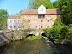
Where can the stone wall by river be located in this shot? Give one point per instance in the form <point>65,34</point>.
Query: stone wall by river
<point>7,36</point>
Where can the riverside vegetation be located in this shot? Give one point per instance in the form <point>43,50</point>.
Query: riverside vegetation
<point>60,33</point>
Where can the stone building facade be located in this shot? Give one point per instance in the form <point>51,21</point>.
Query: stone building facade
<point>39,18</point>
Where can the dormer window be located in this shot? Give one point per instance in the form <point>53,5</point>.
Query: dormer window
<point>42,9</point>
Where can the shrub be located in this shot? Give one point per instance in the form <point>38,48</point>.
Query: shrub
<point>47,31</point>
<point>70,25</point>
<point>53,32</point>
<point>56,28</point>
<point>64,32</point>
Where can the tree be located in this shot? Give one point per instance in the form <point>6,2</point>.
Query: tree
<point>24,24</point>
<point>65,6</point>
<point>3,18</point>
<point>35,4</point>
<point>53,32</point>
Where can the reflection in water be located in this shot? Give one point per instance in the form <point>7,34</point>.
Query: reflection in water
<point>39,46</point>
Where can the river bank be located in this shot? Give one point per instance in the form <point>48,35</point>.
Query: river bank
<point>36,46</point>
<point>6,37</point>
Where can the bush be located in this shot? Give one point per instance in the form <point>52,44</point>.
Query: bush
<point>56,28</point>
<point>53,32</point>
<point>64,32</point>
<point>70,25</point>
<point>47,31</point>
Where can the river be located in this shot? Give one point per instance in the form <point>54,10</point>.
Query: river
<point>38,46</point>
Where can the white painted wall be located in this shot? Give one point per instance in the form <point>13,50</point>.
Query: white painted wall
<point>13,22</point>
<point>41,10</point>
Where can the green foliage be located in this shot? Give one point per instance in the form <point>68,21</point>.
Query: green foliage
<point>31,29</point>
<point>56,27</point>
<point>47,31</point>
<point>56,4</point>
<point>66,7</point>
<point>64,32</point>
<point>70,38</point>
<point>3,18</point>
<point>70,25</point>
<point>53,32</point>
<point>35,4</point>
<point>33,37</point>
<point>56,39</point>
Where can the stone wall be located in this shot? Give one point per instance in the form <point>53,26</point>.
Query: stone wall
<point>8,36</point>
<point>36,21</point>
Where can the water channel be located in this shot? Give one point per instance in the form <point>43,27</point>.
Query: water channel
<point>38,46</point>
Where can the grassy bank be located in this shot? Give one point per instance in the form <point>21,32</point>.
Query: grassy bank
<point>33,37</point>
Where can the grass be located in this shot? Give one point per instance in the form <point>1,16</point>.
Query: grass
<point>33,37</point>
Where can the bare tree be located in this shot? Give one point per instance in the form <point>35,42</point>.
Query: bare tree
<point>24,24</point>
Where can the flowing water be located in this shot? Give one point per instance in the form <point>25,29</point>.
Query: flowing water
<point>38,46</point>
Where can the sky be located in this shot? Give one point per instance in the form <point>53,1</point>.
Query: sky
<point>14,6</point>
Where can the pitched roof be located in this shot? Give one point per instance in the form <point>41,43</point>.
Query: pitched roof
<point>35,11</point>
<point>30,11</point>
<point>14,17</point>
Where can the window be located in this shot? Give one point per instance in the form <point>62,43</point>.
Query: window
<point>18,26</point>
<point>10,20</point>
<point>35,16</point>
<point>48,16</point>
<point>42,9</point>
<point>28,16</point>
<point>35,26</point>
<point>14,26</point>
<point>23,26</point>
<point>23,16</point>
<point>41,16</point>
<point>41,26</point>
<point>35,21</point>
<point>41,20</point>
<point>10,26</point>
<point>18,20</point>
<point>28,20</point>
<point>47,26</point>
<point>48,20</point>
<point>28,26</point>
<point>14,20</point>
